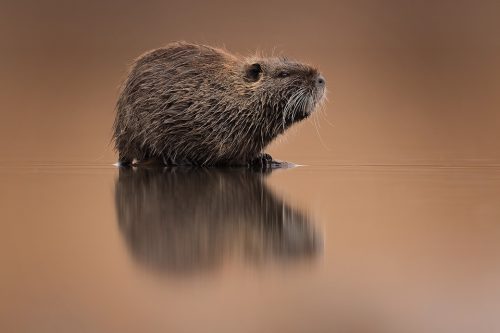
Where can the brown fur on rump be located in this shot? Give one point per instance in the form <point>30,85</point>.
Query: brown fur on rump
<point>188,104</point>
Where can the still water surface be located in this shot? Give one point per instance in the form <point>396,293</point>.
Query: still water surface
<point>306,249</point>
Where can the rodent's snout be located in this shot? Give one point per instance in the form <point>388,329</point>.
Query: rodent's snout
<point>320,81</point>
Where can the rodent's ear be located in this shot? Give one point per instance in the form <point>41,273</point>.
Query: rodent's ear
<point>252,72</point>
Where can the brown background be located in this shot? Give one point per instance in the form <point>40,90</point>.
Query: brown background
<point>410,82</point>
<point>405,248</point>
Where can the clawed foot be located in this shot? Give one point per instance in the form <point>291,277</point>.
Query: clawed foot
<point>264,162</point>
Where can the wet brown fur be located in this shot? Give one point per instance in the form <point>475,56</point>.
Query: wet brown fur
<point>188,104</point>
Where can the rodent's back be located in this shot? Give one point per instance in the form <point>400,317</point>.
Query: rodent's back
<point>178,98</point>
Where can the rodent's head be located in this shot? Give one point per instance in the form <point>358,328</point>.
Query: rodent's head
<point>289,89</point>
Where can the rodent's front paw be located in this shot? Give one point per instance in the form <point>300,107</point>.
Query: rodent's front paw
<point>263,161</point>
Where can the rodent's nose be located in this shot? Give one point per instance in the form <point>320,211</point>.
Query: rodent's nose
<point>320,80</point>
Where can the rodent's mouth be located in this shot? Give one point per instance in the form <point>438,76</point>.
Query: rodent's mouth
<point>318,100</point>
<point>302,104</point>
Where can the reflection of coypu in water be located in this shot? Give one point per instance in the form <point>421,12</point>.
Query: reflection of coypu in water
<point>186,220</point>
<point>188,104</point>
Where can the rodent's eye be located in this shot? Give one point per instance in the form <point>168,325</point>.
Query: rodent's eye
<point>283,74</point>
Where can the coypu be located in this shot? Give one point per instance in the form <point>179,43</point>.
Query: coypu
<point>188,219</point>
<point>188,104</point>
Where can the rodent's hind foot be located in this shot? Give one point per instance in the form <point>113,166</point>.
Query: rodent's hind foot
<point>124,163</point>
